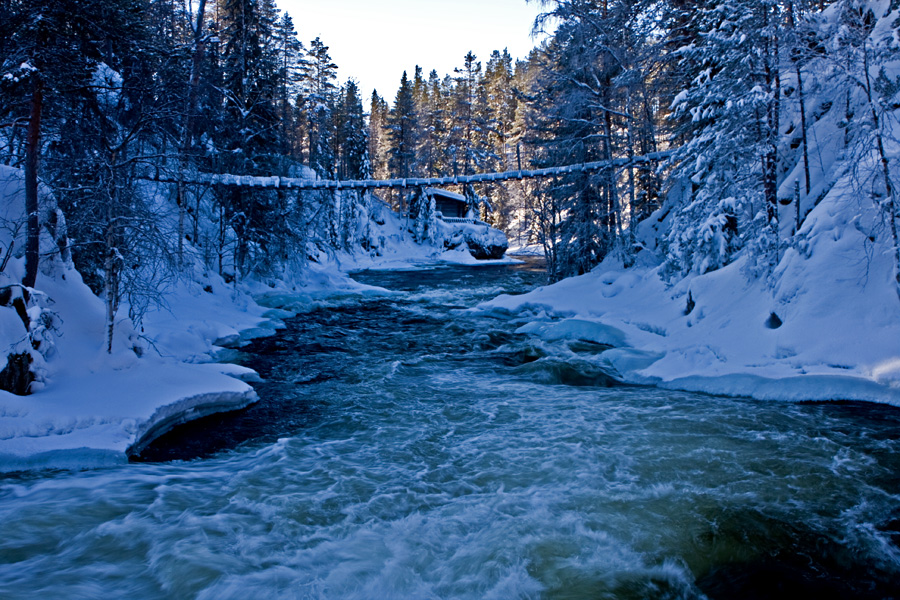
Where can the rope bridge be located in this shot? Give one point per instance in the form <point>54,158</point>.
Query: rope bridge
<point>252,181</point>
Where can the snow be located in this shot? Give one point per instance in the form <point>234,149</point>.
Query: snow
<point>104,405</point>
<point>96,408</point>
<point>711,330</point>
<point>575,329</point>
<point>840,338</point>
<point>833,291</point>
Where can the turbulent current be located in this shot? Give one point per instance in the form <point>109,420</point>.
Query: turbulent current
<point>406,447</point>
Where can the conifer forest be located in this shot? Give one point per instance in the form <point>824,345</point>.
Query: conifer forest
<point>95,98</point>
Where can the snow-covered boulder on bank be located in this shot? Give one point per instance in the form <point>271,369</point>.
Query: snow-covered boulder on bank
<point>483,241</point>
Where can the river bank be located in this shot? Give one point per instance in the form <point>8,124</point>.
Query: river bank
<point>714,333</point>
<point>823,324</point>
<point>812,332</point>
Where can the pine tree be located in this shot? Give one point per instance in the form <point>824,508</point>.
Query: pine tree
<point>578,115</point>
<point>865,42</point>
<point>732,137</point>
<point>292,65</point>
<point>469,130</point>
<point>354,135</point>
<point>432,155</point>
<point>379,142</point>
<point>320,103</point>
<point>500,120</point>
<point>403,126</point>
<point>46,51</point>
<point>250,85</point>
<point>249,141</point>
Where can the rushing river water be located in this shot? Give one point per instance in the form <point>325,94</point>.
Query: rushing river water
<point>406,448</point>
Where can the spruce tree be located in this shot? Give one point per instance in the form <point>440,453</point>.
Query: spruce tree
<point>379,141</point>
<point>731,115</point>
<point>321,95</point>
<point>403,127</point>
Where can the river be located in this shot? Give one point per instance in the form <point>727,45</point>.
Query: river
<point>405,447</point>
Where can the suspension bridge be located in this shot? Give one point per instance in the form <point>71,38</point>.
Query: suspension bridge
<point>294,183</point>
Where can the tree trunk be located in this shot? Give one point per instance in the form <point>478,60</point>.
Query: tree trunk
<point>188,133</point>
<point>112,261</point>
<point>803,129</point>
<point>32,161</point>
<point>773,121</point>
<point>792,20</point>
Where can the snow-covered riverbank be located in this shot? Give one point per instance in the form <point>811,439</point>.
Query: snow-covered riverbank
<point>94,408</point>
<point>89,407</point>
<point>825,325</point>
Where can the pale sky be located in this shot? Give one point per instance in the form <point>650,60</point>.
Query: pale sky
<point>375,41</point>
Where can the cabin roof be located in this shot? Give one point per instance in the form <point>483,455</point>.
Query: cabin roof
<point>436,192</point>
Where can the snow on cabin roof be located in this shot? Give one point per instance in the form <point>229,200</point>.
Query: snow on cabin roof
<point>445,194</point>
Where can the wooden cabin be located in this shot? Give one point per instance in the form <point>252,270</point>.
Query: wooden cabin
<point>449,204</point>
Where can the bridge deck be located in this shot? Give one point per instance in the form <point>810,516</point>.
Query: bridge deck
<point>372,184</point>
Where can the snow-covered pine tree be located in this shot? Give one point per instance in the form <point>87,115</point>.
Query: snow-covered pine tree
<point>379,142</point>
<point>864,49</point>
<point>321,96</point>
<point>501,115</point>
<point>354,135</point>
<point>292,64</point>
<point>469,118</point>
<point>250,141</point>
<point>354,164</point>
<point>46,53</point>
<point>581,112</point>
<point>431,153</point>
<point>731,116</point>
<point>403,128</point>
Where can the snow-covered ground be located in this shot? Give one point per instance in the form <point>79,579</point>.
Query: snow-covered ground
<point>833,292</point>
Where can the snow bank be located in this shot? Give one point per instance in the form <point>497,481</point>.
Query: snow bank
<point>101,416</point>
<point>839,337</point>
<point>398,250</point>
<point>91,408</point>
<point>94,408</point>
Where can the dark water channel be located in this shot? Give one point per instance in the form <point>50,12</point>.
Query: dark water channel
<point>405,447</point>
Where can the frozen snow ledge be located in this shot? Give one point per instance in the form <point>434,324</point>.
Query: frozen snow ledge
<point>801,388</point>
<point>189,409</point>
<point>97,418</point>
